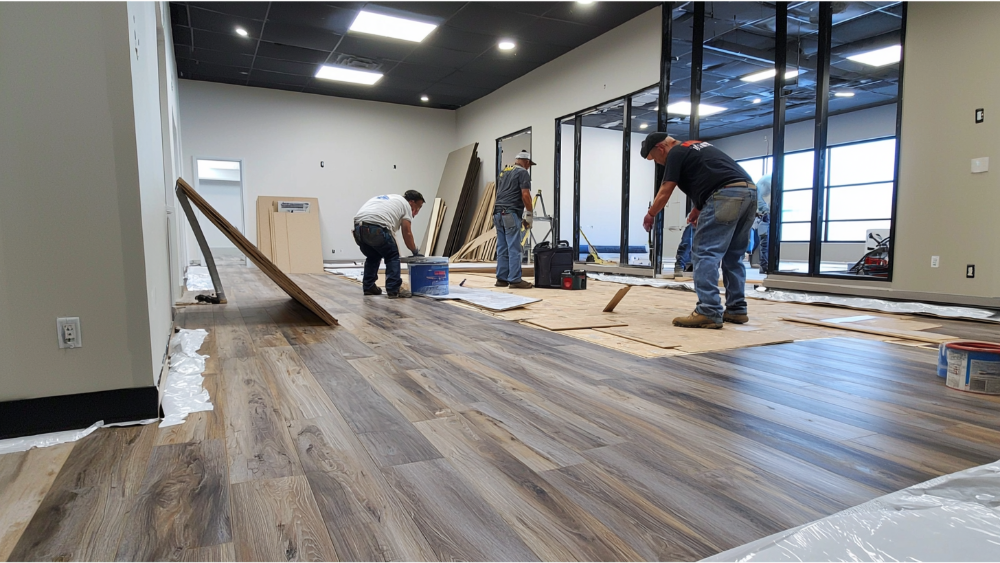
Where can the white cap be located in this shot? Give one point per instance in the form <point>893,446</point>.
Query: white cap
<point>526,156</point>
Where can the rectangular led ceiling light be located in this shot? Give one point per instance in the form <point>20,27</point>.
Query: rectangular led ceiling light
<point>343,74</point>
<point>879,57</point>
<point>684,108</point>
<point>388,26</point>
<point>765,74</point>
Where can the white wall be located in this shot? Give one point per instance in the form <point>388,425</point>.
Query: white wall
<point>73,224</point>
<point>152,189</point>
<point>621,61</point>
<point>369,149</point>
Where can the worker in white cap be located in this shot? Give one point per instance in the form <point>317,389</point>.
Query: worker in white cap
<point>512,209</point>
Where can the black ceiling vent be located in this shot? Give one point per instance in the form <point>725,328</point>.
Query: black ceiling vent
<point>356,62</point>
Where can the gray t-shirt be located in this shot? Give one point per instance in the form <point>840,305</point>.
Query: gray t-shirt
<point>764,195</point>
<point>512,180</point>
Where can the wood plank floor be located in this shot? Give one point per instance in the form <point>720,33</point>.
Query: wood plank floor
<point>423,431</point>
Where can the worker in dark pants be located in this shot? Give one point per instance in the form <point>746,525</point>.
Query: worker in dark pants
<point>512,209</point>
<point>682,262</point>
<point>725,205</point>
<point>374,230</point>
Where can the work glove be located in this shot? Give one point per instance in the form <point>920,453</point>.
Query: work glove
<point>526,218</point>
<point>417,254</point>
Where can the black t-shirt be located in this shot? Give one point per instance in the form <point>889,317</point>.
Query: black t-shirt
<point>513,179</point>
<point>699,169</point>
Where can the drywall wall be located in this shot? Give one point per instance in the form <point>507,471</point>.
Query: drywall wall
<point>368,149</point>
<point>619,62</point>
<point>152,189</point>
<point>942,208</point>
<point>71,223</point>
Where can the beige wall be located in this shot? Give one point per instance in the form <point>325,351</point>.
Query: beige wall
<point>942,208</point>
<point>72,221</point>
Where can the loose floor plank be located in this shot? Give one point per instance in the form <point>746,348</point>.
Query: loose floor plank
<point>183,503</point>
<point>278,520</point>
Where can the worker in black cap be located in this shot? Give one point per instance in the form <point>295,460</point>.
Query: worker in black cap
<point>512,209</point>
<point>725,205</point>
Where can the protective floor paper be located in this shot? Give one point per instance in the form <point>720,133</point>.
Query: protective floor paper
<point>183,392</point>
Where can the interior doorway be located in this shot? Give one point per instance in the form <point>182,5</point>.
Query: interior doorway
<point>509,145</point>
<point>220,182</point>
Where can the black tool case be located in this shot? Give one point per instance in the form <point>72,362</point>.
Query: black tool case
<point>551,262</point>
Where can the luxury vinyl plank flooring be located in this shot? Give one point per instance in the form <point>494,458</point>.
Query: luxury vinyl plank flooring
<point>421,431</point>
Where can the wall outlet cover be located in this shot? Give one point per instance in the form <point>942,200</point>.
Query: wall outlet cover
<point>980,165</point>
<point>970,271</point>
<point>934,261</point>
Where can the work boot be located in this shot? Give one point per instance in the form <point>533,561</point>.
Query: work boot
<point>696,320</point>
<point>735,318</point>
<point>401,294</point>
<point>375,290</point>
<point>500,283</point>
<point>521,285</point>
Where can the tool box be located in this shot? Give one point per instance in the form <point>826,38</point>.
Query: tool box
<point>574,279</point>
<point>551,262</point>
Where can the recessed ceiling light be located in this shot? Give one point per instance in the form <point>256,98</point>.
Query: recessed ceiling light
<point>844,94</point>
<point>584,1</point>
<point>879,57</point>
<point>643,125</point>
<point>424,99</point>
<point>756,100</point>
<point>684,108</point>
<point>388,26</point>
<point>769,73</point>
<point>506,45</point>
<point>344,74</point>
<point>241,31</point>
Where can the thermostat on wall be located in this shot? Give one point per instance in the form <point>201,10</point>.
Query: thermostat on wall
<point>293,207</point>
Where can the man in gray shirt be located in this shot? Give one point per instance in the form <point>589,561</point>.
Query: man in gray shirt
<point>512,209</point>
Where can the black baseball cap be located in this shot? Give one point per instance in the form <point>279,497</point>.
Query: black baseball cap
<point>651,141</point>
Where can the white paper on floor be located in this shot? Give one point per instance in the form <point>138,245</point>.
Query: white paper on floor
<point>183,392</point>
<point>485,298</point>
<point>198,279</point>
<point>951,518</point>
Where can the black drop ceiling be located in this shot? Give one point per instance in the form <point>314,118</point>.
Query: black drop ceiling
<point>456,64</point>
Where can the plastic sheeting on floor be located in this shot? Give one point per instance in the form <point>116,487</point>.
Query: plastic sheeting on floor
<point>26,443</point>
<point>485,298</point>
<point>845,301</point>
<point>183,393</point>
<point>951,518</point>
<point>198,279</point>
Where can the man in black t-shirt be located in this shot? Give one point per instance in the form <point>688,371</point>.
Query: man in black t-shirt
<point>512,209</point>
<point>725,205</point>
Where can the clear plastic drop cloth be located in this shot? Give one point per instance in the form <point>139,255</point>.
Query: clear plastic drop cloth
<point>492,300</point>
<point>955,517</point>
<point>198,279</point>
<point>24,444</point>
<point>183,393</point>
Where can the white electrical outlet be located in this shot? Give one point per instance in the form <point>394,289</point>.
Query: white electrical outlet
<point>934,261</point>
<point>69,335</point>
<point>980,165</point>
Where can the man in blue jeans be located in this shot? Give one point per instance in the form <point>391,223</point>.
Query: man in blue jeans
<point>374,228</point>
<point>725,205</point>
<point>512,209</point>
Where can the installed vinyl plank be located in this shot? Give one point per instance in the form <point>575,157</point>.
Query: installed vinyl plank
<point>232,338</point>
<point>85,511</point>
<point>263,332</point>
<point>25,479</point>
<point>408,396</point>
<point>220,553</point>
<point>297,393</point>
<point>183,503</point>
<point>362,514</point>
<point>278,520</point>
<point>552,525</point>
<point>256,436</point>
<point>457,523</point>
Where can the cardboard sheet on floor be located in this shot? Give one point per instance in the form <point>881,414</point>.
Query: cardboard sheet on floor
<point>492,300</point>
<point>575,323</point>
<point>701,340</point>
<point>255,255</point>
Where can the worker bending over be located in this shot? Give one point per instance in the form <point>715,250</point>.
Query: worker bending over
<point>374,231</point>
<point>725,204</point>
<point>512,209</point>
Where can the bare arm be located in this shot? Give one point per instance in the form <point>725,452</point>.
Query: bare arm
<point>662,197</point>
<point>408,235</point>
<point>526,198</point>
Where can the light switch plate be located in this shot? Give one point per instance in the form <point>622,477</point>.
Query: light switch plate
<point>934,261</point>
<point>980,165</point>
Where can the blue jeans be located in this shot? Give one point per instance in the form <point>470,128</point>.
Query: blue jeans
<point>684,248</point>
<point>508,226</point>
<point>722,236</point>
<point>377,243</point>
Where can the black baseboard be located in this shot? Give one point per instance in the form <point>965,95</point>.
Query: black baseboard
<point>72,412</point>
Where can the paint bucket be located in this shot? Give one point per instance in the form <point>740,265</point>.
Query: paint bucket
<point>974,367</point>
<point>428,276</point>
